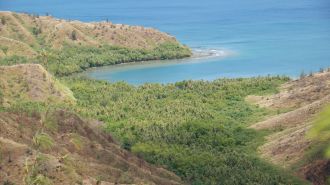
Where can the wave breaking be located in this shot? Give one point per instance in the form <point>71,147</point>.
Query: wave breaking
<point>202,53</point>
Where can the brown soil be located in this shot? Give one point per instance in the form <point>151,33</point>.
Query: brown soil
<point>80,152</point>
<point>297,93</point>
<point>94,157</point>
<point>287,145</point>
<point>317,172</point>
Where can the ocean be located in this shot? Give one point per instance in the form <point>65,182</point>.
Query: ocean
<point>251,38</point>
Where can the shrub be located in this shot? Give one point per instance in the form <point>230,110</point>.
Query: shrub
<point>4,49</point>
<point>35,173</point>
<point>3,20</point>
<point>7,182</point>
<point>74,35</point>
<point>77,141</point>
<point>36,31</point>
<point>41,180</point>
<point>12,60</point>
<point>43,141</point>
<point>1,97</point>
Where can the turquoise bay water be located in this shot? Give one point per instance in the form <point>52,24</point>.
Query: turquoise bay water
<point>273,37</point>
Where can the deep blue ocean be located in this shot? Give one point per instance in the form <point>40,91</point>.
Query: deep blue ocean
<point>276,37</point>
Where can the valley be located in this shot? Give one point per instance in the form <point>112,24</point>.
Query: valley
<point>57,128</point>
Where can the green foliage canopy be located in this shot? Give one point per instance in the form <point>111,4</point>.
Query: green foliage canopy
<point>197,129</point>
<point>74,59</point>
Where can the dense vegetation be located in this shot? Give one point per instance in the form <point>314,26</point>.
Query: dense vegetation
<point>196,129</point>
<point>73,59</point>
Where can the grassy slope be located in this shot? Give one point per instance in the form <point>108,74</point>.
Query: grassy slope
<point>288,145</point>
<point>46,31</point>
<point>66,47</point>
<point>196,129</point>
<point>42,142</point>
<point>30,82</point>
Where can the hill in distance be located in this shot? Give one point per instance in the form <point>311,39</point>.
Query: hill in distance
<point>25,33</point>
<point>66,47</point>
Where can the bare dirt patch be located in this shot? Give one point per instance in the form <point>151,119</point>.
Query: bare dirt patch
<point>297,93</point>
<point>288,143</point>
<point>80,154</point>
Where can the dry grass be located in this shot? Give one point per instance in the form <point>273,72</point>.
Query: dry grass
<point>297,93</point>
<point>100,159</point>
<point>31,82</point>
<point>24,34</point>
<point>60,146</point>
<point>288,144</point>
<point>11,47</point>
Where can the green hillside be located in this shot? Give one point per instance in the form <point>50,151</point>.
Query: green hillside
<point>196,129</point>
<point>66,47</point>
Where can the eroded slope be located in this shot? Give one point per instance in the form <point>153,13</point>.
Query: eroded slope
<point>301,101</point>
<point>55,146</point>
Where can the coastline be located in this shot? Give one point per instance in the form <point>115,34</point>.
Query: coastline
<point>197,56</point>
